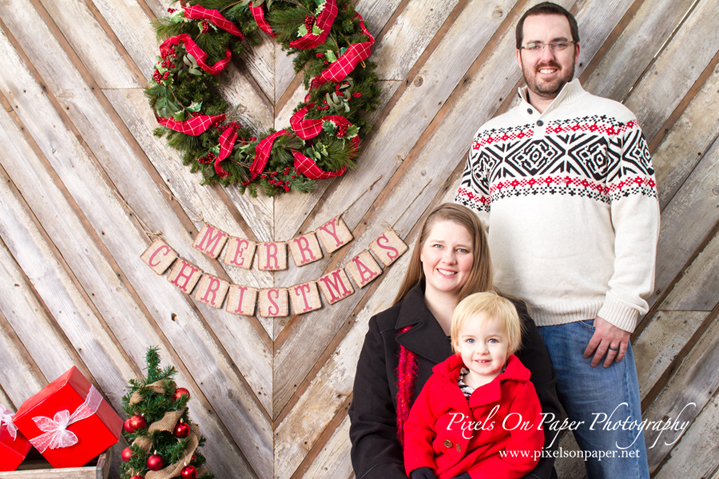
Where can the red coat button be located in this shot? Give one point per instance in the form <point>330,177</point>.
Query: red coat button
<point>447,443</point>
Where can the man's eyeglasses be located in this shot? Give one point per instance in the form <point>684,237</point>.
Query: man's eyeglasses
<point>538,47</point>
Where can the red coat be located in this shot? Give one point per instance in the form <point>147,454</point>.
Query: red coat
<point>439,432</point>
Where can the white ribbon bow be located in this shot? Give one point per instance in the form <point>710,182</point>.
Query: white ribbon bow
<point>6,420</point>
<point>56,433</point>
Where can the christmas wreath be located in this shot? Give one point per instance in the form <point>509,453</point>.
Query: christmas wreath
<point>331,45</point>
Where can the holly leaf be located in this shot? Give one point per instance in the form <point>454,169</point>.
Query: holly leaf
<point>195,107</point>
<point>302,31</point>
<point>329,126</point>
<point>178,16</point>
<point>194,71</point>
<point>343,50</point>
<point>215,150</point>
<point>352,131</point>
<point>179,116</point>
<point>330,56</point>
<point>316,30</point>
<point>320,7</point>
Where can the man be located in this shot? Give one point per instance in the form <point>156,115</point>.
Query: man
<point>565,182</point>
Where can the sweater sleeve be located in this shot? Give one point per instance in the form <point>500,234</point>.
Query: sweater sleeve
<point>376,453</point>
<point>473,191</point>
<point>635,217</point>
<point>419,433</point>
<point>522,451</point>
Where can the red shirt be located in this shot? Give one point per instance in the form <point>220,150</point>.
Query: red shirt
<point>451,435</point>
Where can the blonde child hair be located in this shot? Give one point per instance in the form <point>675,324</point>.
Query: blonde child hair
<point>494,307</point>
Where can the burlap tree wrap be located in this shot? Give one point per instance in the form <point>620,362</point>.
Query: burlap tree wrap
<point>157,387</point>
<point>173,470</point>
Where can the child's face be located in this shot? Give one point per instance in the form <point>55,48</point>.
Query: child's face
<point>483,347</point>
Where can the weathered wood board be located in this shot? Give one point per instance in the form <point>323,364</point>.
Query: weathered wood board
<point>85,187</point>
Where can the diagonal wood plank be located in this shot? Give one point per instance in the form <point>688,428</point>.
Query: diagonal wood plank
<point>221,384</point>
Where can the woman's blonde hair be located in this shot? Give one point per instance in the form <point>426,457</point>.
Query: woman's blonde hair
<point>495,308</point>
<point>480,277</point>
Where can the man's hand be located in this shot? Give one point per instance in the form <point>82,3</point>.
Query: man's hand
<point>608,339</point>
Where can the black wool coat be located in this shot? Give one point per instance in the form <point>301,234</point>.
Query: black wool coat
<point>376,452</point>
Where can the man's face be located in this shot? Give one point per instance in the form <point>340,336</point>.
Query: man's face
<point>547,71</point>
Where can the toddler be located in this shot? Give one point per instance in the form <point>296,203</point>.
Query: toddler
<point>478,415</point>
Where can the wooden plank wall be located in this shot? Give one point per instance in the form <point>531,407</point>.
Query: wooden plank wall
<point>85,188</point>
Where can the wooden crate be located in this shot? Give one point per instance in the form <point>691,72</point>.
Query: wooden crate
<point>36,467</point>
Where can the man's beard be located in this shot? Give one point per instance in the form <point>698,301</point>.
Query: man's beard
<point>548,89</point>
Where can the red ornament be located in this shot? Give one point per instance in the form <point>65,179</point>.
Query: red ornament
<point>128,426</point>
<point>179,392</point>
<point>188,472</point>
<point>126,454</point>
<point>182,430</point>
<point>137,422</point>
<point>155,462</point>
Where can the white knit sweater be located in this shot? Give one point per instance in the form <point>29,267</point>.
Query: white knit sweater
<point>570,199</point>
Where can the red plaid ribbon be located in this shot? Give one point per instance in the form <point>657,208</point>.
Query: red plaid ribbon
<point>259,15</point>
<point>227,142</point>
<point>262,154</point>
<point>305,129</point>
<point>309,168</point>
<point>324,22</point>
<point>356,53</point>
<point>198,12</point>
<point>194,126</point>
<point>196,52</point>
<point>309,128</point>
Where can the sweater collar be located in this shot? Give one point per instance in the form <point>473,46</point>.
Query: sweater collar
<point>570,93</point>
<point>426,337</point>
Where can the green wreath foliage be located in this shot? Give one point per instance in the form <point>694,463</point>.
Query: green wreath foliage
<point>180,90</point>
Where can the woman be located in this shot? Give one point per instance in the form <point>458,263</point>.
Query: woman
<point>403,344</point>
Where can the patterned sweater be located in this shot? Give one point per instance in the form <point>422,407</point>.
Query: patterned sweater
<point>570,200</point>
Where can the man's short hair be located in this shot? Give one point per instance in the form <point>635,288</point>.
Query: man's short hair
<point>547,8</point>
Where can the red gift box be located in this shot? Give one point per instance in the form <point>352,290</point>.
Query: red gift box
<point>68,421</point>
<point>13,445</point>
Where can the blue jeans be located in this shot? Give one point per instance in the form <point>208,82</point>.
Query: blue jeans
<point>605,399</point>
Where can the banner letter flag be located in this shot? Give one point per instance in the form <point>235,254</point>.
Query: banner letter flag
<point>212,290</point>
<point>272,256</point>
<point>210,241</point>
<point>388,247</point>
<point>335,286</point>
<point>363,269</point>
<point>305,297</point>
<point>184,275</point>
<point>239,252</point>
<point>273,303</point>
<point>305,249</point>
<point>159,256</point>
<point>334,234</point>
<point>241,300</point>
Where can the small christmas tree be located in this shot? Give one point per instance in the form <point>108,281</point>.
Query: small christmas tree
<point>163,441</point>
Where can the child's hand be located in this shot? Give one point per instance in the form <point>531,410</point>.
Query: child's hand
<point>423,473</point>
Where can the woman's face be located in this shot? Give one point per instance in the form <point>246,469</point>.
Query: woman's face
<point>447,256</point>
